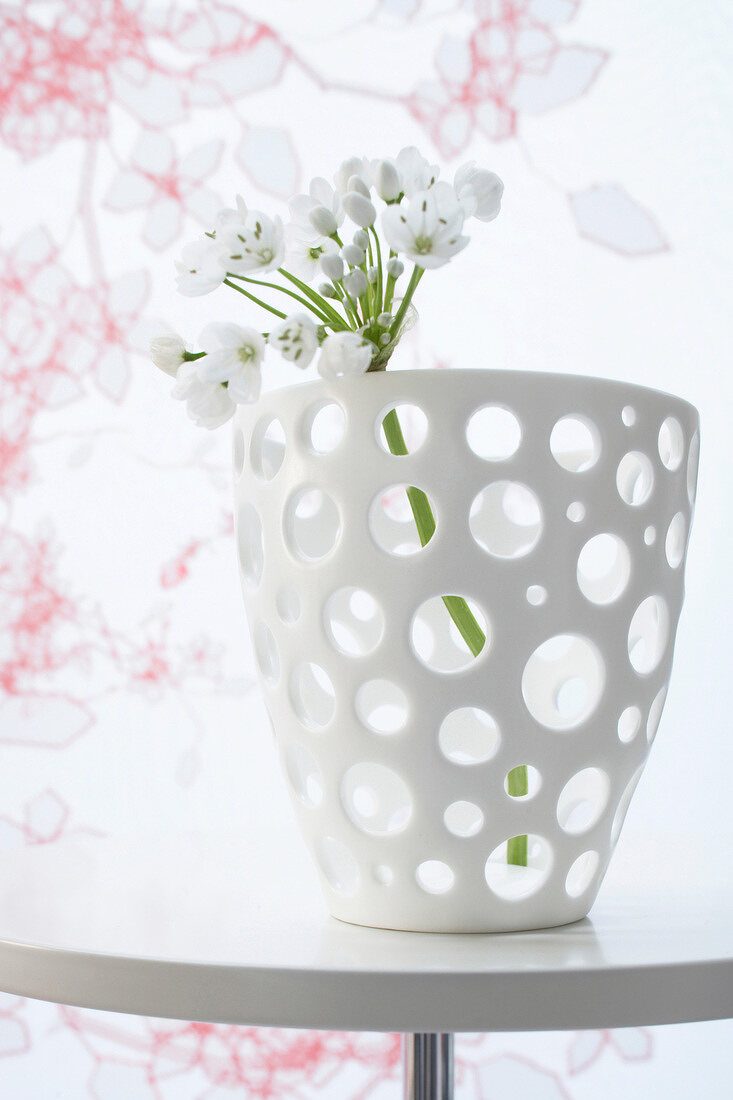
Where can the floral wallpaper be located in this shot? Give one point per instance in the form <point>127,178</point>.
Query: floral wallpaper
<point>128,700</point>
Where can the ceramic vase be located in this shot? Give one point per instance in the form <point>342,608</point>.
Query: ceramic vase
<point>439,790</point>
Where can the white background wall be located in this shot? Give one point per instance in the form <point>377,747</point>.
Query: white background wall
<point>127,694</point>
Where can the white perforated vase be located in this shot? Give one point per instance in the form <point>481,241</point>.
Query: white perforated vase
<point>562,507</point>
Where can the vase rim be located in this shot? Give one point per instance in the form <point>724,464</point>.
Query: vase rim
<point>551,378</point>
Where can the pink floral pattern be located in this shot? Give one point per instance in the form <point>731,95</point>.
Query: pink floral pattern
<point>513,63</point>
<point>124,125</point>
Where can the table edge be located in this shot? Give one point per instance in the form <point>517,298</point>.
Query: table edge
<point>439,1000</point>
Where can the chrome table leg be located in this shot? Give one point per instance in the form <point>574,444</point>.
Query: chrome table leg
<point>427,1060</point>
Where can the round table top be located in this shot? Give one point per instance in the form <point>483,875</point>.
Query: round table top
<point>214,929</point>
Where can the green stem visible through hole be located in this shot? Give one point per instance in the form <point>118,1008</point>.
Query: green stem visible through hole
<point>459,611</point>
<point>517,784</point>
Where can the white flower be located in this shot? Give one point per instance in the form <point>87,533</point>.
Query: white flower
<point>406,174</point>
<point>320,193</point>
<point>332,265</point>
<point>427,229</point>
<point>302,256</point>
<point>479,191</point>
<point>356,183</point>
<point>415,173</point>
<point>207,403</point>
<point>323,221</point>
<point>256,244</point>
<point>359,209</point>
<point>387,181</point>
<point>355,283</point>
<point>344,353</point>
<point>200,269</point>
<point>167,352</point>
<point>296,339</point>
<point>353,255</point>
<point>354,166</point>
<point>395,267</point>
<point>229,216</point>
<point>233,355</point>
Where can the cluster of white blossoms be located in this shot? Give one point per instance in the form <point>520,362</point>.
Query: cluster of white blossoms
<point>355,315</point>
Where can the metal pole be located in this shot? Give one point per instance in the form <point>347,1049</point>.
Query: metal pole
<point>427,1062</point>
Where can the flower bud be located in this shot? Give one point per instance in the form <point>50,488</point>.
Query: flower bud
<point>327,291</point>
<point>372,274</point>
<point>384,320</point>
<point>384,339</point>
<point>356,183</point>
<point>332,266</point>
<point>387,181</point>
<point>359,209</point>
<point>344,353</point>
<point>323,221</point>
<point>353,255</point>
<point>361,238</point>
<point>395,267</point>
<point>355,282</point>
<point>167,352</point>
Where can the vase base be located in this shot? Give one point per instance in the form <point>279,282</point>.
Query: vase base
<point>458,926</point>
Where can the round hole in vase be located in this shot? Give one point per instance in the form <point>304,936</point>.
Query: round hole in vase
<point>563,680</point>
<point>312,524</point>
<point>516,875</point>
<point>506,519</point>
<point>407,426</point>
<point>376,798</point>
<point>312,695</point>
<point>434,876</point>
<point>635,478</point>
<point>324,425</point>
<point>392,521</point>
<point>575,443</point>
<point>267,447</point>
<point>494,433</point>
<point>354,621</point>
<point>522,782</point>
<point>468,736</point>
<point>437,640</point>
<point>581,873</point>
<point>382,706</point>
<point>463,818</point>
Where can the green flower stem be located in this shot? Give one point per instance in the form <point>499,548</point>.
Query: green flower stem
<point>241,290</point>
<point>378,306</point>
<point>459,611</point>
<point>283,290</point>
<point>345,299</point>
<point>353,307</point>
<point>389,292</point>
<point>417,274</point>
<point>336,321</point>
<point>516,849</point>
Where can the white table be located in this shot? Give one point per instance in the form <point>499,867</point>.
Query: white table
<point>213,929</point>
